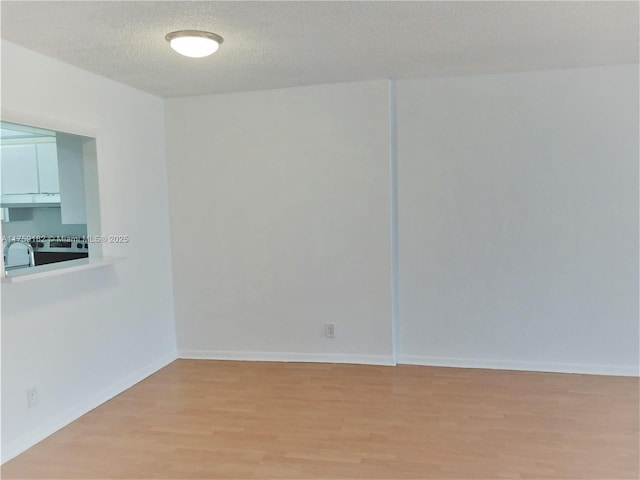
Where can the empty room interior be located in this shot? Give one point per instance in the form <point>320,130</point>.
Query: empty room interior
<point>336,240</point>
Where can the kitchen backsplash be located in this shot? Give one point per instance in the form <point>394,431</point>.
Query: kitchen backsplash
<point>43,221</point>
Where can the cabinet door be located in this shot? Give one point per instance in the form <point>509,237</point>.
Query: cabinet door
<point>48,168</point>
<point>19,169</point>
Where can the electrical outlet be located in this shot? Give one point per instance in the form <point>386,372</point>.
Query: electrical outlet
<point>32,397</point>
<point>329,330</point>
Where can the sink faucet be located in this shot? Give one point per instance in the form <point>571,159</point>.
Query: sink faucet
<point>32,257</point>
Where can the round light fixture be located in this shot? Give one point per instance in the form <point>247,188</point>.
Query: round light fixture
<point>194,43</point>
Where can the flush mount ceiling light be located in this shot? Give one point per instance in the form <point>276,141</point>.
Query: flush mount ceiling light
<point>194,43</point>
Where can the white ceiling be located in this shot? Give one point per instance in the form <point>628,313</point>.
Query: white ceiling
<point>281,44</point>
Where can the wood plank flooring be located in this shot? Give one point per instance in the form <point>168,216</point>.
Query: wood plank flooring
<point>210,419</point>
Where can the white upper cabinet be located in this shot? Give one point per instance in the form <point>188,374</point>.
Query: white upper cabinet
<point>48,176</point>
<point>19,169</point>
<point>30,169</point>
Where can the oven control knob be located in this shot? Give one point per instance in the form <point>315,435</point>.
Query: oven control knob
<point>79,245</point>
<point>86,245</point>
<point>40,244</point>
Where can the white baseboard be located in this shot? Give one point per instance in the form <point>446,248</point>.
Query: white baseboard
<point>411,360</point>
<point>28,439</point>
<point>287,357</point>
<point>518,365</point>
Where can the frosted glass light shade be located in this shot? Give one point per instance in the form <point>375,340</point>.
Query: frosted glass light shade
<point>194,43</point>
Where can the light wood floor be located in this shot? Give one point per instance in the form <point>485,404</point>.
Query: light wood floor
<point>206,419</point>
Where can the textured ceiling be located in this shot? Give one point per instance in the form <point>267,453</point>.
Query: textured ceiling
<point>281,44</point>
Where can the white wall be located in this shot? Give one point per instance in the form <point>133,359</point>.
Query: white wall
<point>280,222</point>
<point>84,337</point>
<point>518,220</point>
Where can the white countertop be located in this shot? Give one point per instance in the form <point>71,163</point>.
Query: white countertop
<point>60,268</point>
